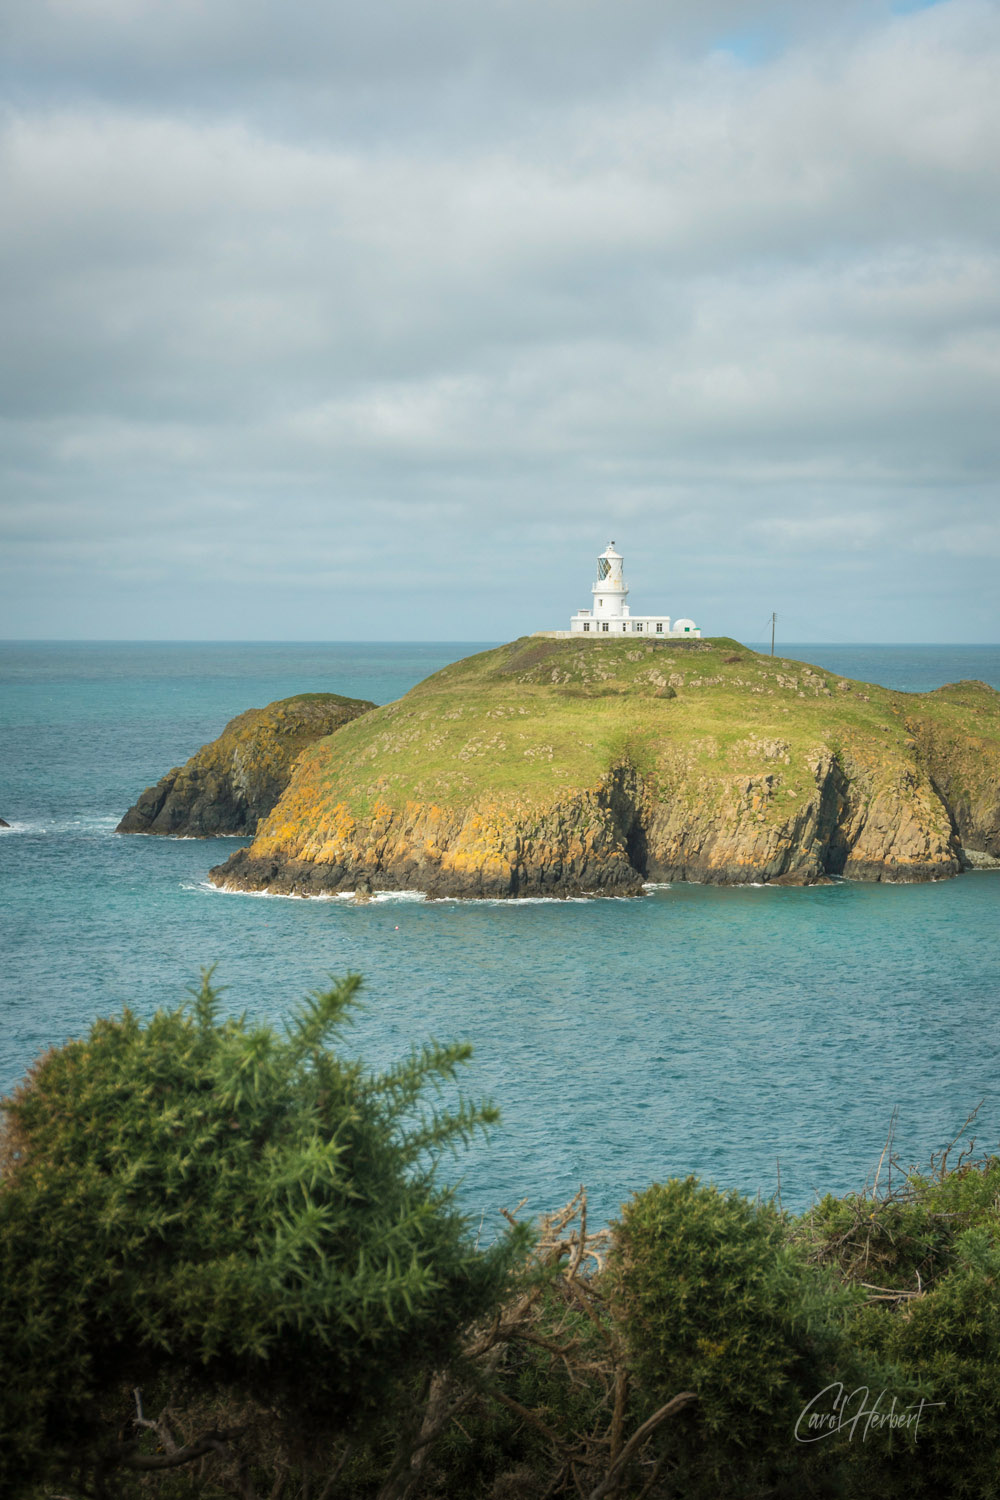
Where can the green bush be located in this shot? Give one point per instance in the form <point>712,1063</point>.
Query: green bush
<point>933,1247</point>
<point>253,1212</point>
<point>950,1340</point>
<point>905,1238</point>
<point>713,1299</point>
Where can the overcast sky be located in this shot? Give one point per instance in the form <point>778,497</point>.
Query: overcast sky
<point>379,320</point>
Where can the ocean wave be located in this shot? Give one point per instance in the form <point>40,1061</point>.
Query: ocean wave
<point>186,838</point>
<point>205,887</point>
<point>46,827</point>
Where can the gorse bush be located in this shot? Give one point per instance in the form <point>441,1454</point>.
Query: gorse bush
<point>947,1341</point>
<point>712,1298</point>
<point>928,1255</point>
<point>207,1197</point>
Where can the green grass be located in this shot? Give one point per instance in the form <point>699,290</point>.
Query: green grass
<point>530,722</point>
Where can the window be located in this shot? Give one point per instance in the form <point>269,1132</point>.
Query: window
<point>600,603</point>
<point>586,624</point>
<point>624,627</point>
<point>637,626</point>
<point>659,627</point>
<point>605,625</point>
<point>603,568</point>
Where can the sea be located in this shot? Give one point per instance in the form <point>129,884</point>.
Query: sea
<point>768,1040</point>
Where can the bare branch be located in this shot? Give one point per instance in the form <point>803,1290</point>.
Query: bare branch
<point>159,1425</point>
<point>618,1415</point>
<point>338,1469</point>
<point>887,1147</point>
<point>641,1435</point>
<point>209,1442</point>
<point>530,1417</point>
<point>887,1294</point>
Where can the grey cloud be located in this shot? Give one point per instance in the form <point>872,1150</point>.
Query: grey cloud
<point>704,299</point>
<point>346,61</point>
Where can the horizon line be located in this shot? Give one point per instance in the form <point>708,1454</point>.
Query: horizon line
<point>429,641</point>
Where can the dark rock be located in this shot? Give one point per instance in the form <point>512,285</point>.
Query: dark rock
<point>230,784</point>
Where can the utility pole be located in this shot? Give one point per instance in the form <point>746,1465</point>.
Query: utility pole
<point>773,618</point>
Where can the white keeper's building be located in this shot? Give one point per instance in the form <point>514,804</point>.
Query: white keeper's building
<point>610,614</point>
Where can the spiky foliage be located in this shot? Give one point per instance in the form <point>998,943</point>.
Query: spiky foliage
<point>927,1252</point>
<point>203,1196</point>
<point>712,1298</point>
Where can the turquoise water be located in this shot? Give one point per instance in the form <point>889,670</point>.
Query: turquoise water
<point>693,1030</point>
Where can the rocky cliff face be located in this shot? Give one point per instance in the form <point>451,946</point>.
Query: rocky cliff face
<point>858,821</point>
<point>558,768</point>
<point>487,849</point>
<point>229,785</point>
<point>958,748</point>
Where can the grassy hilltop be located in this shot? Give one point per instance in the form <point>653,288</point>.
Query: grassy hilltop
<point>552,766</point>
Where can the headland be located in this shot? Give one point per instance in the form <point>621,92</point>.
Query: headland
<point>555,767</point>
<point>230,784</point>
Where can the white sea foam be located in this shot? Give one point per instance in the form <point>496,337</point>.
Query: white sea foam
<point>205,887</point>
<point>380,897</point>
<point>185,838</point>
<point>49,827</point>
<point>513,901</point>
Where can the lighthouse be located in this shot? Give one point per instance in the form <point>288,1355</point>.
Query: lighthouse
<point>609,614</point>
<point>610,591</point>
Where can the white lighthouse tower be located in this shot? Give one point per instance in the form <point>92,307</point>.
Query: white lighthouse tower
<point>610,591</point>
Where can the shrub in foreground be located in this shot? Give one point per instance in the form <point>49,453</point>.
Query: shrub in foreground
<point>927,1254</point>
<point>712,1298</point>
<point>210,1200</point>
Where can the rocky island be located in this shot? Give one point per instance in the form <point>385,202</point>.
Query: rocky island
<point>555,767</point>
<point>230,784</point>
